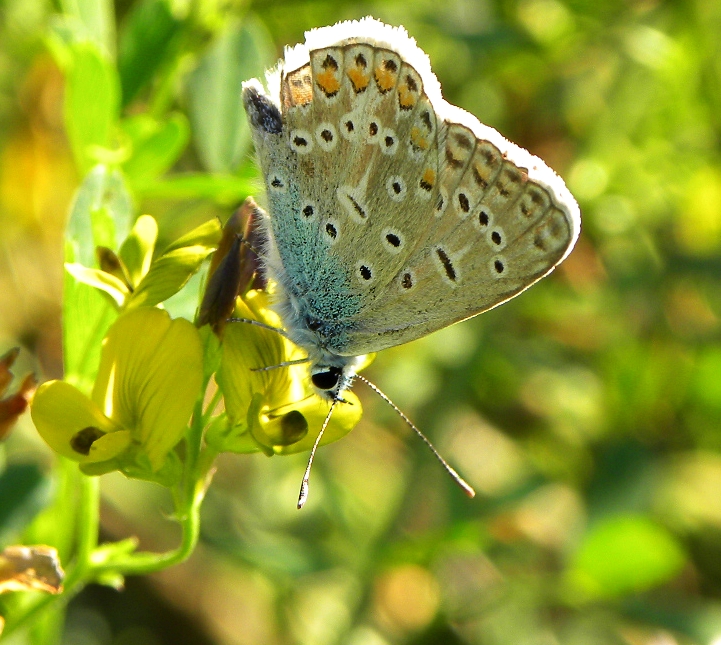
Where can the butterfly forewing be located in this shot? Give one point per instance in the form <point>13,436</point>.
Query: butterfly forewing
<point>366,164</point>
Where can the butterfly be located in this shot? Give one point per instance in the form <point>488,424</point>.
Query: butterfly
<point>391,213</point>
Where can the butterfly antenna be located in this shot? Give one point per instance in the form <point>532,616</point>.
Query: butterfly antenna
<point>467,489</point>
<point>303,497</point>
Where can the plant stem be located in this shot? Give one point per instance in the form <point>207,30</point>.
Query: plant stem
<point>144,563</point>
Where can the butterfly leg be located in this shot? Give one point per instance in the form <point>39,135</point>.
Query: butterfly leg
<point>262,325</point>
<point>298,361</point>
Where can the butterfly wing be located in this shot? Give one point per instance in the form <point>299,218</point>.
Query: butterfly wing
<point>502,220</point>
<point>393,213</point>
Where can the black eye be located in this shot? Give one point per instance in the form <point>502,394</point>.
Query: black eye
<point>327,379</point>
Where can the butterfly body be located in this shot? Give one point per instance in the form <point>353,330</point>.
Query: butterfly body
<point>392,213</point>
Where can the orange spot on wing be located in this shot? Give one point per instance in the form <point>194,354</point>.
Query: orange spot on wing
<point>359,79</point>
<point>386,79</point>
<point>328,82</point>
<point>418,140</point>
<point>429,176</point>
<point>406,97</point>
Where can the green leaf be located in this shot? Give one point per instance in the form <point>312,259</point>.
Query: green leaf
<point>91,103</point>
<point>243,51</point>
<point>101,209</point>
<point>97,18</point>
<point>111,285</point>
<point>167,275</point>
<point>148,38</point>
<point>156,146</point>
<point>100,215</point>
<point>624,555</point>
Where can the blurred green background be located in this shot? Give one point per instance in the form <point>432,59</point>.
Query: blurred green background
<point>587,412</point>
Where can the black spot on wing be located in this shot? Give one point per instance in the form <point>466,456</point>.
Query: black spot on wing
<point>447,264</point>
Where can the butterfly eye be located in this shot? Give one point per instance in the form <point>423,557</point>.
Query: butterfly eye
<point>327,379</point>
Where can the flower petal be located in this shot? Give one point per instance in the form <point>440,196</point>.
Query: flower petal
<point>207,234</point>
<point>314,409</point>
<point>72,424</point>
<point>150,377</point>
<point>137,250</point>
<point>106,282</point>
<point>247,347</point>
<point>168,275</point>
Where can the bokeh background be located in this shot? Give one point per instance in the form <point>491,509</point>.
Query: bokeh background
<point>587,412</point>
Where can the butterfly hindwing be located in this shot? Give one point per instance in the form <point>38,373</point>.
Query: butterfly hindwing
<point>399,214</point>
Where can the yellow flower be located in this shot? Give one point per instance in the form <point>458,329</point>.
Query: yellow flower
<point>133,279</point>
<point>275,411</point>
<point>149,379</point>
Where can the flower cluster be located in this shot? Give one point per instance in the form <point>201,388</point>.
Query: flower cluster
<point>159,378</point>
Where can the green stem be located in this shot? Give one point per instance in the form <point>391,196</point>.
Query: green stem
<point>144,563</point>
<point>88,521</point>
